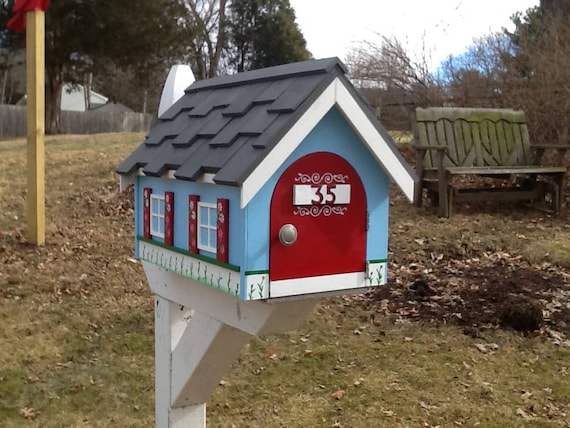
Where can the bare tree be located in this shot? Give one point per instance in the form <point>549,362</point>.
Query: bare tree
<point>206,20</point>
<point>127,86</point>
<point>477,77</point>
<point>528,69</point>
<point>392,81</point>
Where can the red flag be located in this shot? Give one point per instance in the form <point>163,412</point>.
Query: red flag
<point>18,21</point>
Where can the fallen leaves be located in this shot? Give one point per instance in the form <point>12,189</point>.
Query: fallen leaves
<point>33,379</point>
<point>28,413</point>
<point>464,281</point>
<point>426,425</point>
<point>426,406</point>
<point>338,394</point>
<point>270,354</point>
<point>486,348</point>
<point>525,414</point>
<point>553,412</point>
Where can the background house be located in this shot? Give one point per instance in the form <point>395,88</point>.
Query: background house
<point>12,75</point>
<point>73,98</point>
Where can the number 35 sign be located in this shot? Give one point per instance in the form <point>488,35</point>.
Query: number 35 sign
<point>324,194</point>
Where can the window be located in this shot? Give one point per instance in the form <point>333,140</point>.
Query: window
<point>207,225</point>
<point>157,215</point>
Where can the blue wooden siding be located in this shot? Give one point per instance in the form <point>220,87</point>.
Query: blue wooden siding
<point>208,193</point>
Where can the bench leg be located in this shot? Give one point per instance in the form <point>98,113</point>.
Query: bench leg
<point>550,194</point>
<point>419,190</point>
<point>433,197</point>
<point>559,192</point>
<point>450,193</point>
<point>553,194</point>
<point>418,194</point>
<point>556,199</point>
<point>445,197</point>
<point>446,202</point>
<point>442,186</point>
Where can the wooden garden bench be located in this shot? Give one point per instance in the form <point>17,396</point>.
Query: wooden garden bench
<point>483,142</point>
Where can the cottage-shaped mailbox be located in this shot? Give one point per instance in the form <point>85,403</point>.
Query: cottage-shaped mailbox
<point>261,186</point>
<point>268,184</point>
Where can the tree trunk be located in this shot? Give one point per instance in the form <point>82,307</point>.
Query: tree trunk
<point>222,39</point>
<point>54,87</point>
<point>145,100</point>
<point>87,91</point>
<point>3,98</point>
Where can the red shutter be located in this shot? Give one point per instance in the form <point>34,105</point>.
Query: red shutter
<point>146,212</point>
<point>193,223</point>
<point>169,218</point>
<point>222,230</point>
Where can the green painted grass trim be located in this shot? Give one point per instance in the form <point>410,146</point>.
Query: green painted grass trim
<point>189,254</point>
<point>256,272</point>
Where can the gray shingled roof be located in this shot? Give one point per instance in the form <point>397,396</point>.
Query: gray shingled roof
<point>227,125</point>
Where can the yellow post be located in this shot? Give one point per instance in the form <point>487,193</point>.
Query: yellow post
<point>35,88</point>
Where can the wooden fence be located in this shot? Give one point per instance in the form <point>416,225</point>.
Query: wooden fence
<point>13,122</point>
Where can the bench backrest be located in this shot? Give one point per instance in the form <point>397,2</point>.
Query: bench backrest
<point>473,136</point>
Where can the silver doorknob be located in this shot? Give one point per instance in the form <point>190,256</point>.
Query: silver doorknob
<point>288,234</point>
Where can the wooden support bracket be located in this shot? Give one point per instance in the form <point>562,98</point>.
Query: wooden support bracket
<point>199,332</point>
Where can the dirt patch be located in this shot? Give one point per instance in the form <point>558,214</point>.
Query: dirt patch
<point>499,291</point>
<point>473,274</point>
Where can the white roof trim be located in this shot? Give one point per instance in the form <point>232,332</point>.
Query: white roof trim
<point>379,147</point>
<point>335,94</point>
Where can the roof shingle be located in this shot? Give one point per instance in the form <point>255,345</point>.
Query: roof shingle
<point>228,124</point>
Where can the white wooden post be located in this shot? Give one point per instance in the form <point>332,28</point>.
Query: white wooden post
<point>169,322</point>
<point>199,332</point>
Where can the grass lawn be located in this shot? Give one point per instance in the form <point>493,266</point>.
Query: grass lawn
<point>76,342</point>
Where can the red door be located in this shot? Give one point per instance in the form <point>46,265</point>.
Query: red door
<point>318,219</point>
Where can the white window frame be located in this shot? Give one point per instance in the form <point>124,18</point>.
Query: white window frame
<point>158,215</point>
<point>205,223</point>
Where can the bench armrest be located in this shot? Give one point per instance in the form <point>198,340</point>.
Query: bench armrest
<point>422,149</point>
<point>540,148</point>
<point>549,146</point>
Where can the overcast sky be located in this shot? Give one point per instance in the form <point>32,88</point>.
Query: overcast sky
<point>446,27</point>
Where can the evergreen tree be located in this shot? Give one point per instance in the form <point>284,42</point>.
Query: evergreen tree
<point>539,69</point>
<point>263,33</point>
